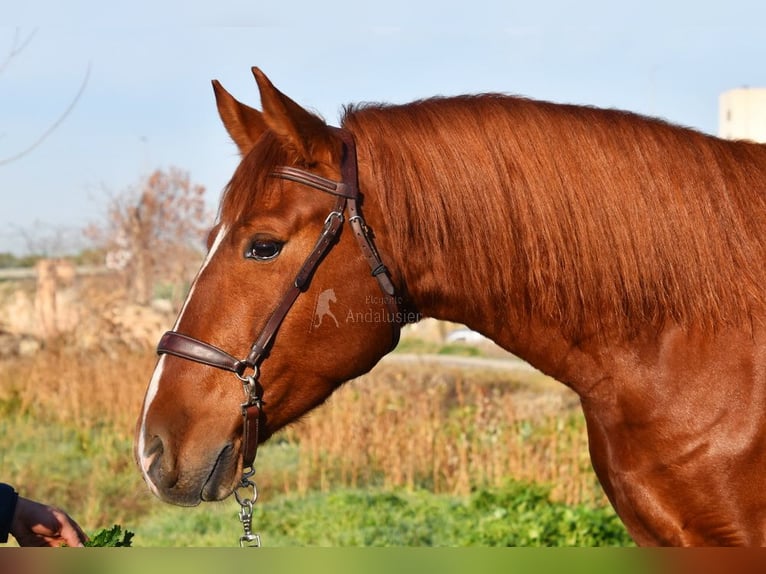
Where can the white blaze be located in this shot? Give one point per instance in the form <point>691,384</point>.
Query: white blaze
<point>154,385</point>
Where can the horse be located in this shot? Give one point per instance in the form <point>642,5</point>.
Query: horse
<point>619,254</point>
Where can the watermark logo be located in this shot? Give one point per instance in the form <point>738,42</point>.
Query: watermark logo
<point>376,309</point>
<point>322,308</point>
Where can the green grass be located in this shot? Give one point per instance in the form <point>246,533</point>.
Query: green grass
<point>516,515</point>
<point>435,348</point>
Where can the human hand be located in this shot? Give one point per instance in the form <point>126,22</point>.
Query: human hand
<point>36,524</point>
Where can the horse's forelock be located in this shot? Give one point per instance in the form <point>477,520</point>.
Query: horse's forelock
<point>252,178</point>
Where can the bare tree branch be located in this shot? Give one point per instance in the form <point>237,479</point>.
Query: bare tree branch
<point>53,126</point>
<point>17,47</point>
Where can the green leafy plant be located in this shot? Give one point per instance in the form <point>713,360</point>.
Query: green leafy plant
<point>110,538</point>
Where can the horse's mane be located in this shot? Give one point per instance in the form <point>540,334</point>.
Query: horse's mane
<point>588,216</point>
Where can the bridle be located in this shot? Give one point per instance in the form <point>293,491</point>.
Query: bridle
<point>348,197</point>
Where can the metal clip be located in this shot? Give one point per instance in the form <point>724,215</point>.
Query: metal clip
<point>248,539</point>
<point>250,387</point>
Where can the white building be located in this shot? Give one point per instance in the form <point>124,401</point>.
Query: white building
<point>742,114</point>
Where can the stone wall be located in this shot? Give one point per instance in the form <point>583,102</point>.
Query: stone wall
<point>87,310</point>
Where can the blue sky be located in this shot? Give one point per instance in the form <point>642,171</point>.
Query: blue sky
<point>148,102</point>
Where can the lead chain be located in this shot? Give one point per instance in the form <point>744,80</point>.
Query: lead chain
<point>248,539</point>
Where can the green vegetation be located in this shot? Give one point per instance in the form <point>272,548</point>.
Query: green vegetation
<point>420,346</point>
<point>83,257</point>
<point>515,515</point>
<point>113,537</point>
<point>8,260</point>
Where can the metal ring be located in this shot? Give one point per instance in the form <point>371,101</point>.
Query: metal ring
<point>249,378</point>
<point>247,502</point>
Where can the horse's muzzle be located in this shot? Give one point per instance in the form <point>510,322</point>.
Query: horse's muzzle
<point>212,479</point>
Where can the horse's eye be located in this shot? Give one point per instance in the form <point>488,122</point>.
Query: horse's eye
<point>263,249</point>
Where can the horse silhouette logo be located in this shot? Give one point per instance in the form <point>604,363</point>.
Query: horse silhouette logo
<point>322,308</point>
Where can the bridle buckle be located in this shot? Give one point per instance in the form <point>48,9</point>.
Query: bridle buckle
<point>250,387</point>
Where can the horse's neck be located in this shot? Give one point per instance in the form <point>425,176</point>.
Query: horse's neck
<point>496,314</point>
<point>654,360</point>
<point>583,362</point>
<point>443,286</point>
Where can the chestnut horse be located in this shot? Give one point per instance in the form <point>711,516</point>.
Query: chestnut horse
<point>619,254</point>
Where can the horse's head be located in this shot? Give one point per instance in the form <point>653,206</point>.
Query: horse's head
<point>278,245</point>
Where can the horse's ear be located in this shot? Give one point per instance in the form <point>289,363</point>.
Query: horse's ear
<point>244,124</point>
<point>303,132</point>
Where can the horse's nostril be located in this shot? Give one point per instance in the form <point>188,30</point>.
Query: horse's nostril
<point>153,450</point>
<point>152,461</point>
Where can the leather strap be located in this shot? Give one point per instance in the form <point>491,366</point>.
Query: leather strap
<point>300,283</point>
<point>312,180</point>
<point>251,414</point>
<point>350,175</point>
<point>185,347</point>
